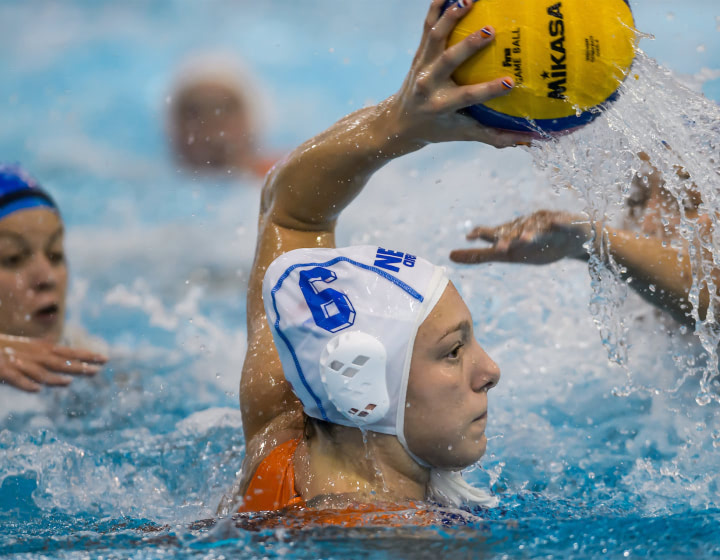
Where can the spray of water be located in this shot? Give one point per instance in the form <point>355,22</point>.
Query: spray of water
<point>678,131</point>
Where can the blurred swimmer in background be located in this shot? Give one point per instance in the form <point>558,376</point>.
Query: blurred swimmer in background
<point>363,382</point>
<point>214,118</point>
<point>648,246</point>
<point>33,285</point>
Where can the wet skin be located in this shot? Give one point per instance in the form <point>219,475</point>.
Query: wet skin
<point>33,274</point>
<point>450,376</point>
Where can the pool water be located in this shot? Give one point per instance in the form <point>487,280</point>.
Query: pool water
<point>591,457</point>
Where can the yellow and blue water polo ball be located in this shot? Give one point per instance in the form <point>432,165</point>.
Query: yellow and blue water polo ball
<point>568,59</point>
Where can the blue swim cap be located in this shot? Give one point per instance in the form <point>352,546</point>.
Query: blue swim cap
<point>19,191</point>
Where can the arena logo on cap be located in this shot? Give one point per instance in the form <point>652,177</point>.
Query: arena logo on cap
<point>387,259</point>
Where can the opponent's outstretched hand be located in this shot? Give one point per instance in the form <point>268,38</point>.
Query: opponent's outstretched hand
<point>426,107</point>
<point>541,238</point>
<point>28,363</point>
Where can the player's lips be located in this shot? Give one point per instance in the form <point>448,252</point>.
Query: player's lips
<point>47,314</point>
<point>481,418</point>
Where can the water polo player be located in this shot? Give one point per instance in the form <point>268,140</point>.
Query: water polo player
<point>363,381</point>
<point>33,283</point>
<point>213,118</point>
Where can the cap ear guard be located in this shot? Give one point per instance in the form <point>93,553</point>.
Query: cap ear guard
<point>352,370</point>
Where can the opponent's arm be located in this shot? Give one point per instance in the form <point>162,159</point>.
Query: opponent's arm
<point>660,273</point>
<point>306,192</point>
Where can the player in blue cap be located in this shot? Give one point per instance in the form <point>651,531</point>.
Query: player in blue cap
<point>33,284</point>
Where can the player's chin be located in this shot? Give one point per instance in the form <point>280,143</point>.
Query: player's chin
<point>469,453</point>
<point>481,447</point>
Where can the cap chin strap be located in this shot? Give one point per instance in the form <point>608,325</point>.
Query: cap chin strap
<point>436,288</point>
<point>446,486</point>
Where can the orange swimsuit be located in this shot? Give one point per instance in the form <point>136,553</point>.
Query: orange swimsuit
<point>272,488</point>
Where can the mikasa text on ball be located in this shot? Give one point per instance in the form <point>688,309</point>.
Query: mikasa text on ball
<point>567,58</point>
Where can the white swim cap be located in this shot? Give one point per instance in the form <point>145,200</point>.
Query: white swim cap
<point>344,322</point>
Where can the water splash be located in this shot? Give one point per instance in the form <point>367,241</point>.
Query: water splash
<point>678,131</point>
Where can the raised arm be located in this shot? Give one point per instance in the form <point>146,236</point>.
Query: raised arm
<point>306,192</point>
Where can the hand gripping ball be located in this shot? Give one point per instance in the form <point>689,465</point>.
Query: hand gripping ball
<point>567,58</point>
